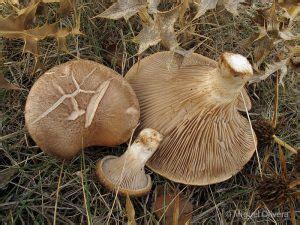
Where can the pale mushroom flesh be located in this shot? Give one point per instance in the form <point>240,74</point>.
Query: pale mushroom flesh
<point>126,174</point>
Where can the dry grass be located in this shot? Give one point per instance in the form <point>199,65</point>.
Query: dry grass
<point>32,194</point>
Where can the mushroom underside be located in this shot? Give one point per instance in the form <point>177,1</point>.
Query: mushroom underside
<point>206,140</point>
<point>120,180</point>
<point>160,63</point>
<point>202,150</point>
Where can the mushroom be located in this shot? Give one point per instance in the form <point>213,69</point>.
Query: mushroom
<point>126,174</point>
<point>78,104</point>
<point>196,108</point>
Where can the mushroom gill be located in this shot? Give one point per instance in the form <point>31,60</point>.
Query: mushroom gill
<point>196,108</point>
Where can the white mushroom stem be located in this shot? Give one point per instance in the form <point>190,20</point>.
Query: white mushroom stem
<point>235,71</point>
<point>127,171</point>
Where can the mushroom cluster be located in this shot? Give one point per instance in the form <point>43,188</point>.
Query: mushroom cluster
<point>126,174</point>
<point>196,107</point>
<point>79,104</point>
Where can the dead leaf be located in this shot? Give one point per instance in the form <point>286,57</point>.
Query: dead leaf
<point>130,211</point>
<point>287,35</point>
<point>204,5</point>
<point>149,36</point>
<point>232,5</point>
<point>268,15</point>
<point>61,35</point>
<point>270,23</point>
<point>22,21</point>
<point>165,23</point>
<point>159,30</point>
<point>31,36</point>
<point>262,48</point>
<point>296,64</point>
<point>123,8</point>
<point>152,6</point>
<point>295,60</point>
<point>261,34</point>
<point>180,54</point>
<point>144,16</point>
<point>171,207</point>
<point>272,68</point>
<point>281,66</point>
<point>14,2</point>
<point>162,30</point>
<point>15,27</point>
<point>295,50</point>
<point>291,10</point>
<point>184,6</point>
<point>7,175</point>
<point>272,31</point>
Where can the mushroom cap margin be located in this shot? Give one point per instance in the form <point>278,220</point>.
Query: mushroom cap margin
<point>111,186</point>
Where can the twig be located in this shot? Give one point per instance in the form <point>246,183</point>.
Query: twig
<point>84,190</point>
<point>283,144</point>
<point>9,136</point>
<point>254,140</point>
<point>275,114</point>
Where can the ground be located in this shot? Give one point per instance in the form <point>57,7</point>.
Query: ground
<point>29,179</point>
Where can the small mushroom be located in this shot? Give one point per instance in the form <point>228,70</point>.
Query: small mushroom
<point>196,107</point>
<point>78,104</point>
<point>126,174</point>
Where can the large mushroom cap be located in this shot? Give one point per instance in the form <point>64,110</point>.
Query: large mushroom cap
<point>78,104</point>
<point>196,108</point>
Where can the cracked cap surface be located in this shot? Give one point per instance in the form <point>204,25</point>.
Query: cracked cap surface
<point>98,108</point>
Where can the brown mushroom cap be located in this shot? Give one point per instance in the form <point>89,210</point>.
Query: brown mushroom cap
<point>78,104</point>
<point>126,174</point>
<point>196,108</point>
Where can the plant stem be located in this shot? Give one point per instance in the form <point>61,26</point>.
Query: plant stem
<point>275,115</point>
<point>283,144</point>
<point>57,193</point>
